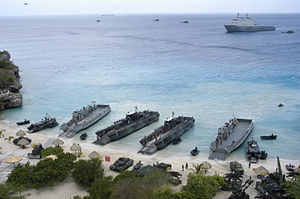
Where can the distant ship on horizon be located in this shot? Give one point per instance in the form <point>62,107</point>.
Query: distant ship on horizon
<point>246,24</point>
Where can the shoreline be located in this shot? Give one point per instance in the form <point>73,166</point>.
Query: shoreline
<point>114,152</point>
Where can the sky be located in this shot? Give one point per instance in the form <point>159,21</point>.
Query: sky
<point>66,7</point>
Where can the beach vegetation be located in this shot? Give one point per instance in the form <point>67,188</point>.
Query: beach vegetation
<point>165,192</point>
<point>11,192</point>
<point>198,169</point>
<point>101,188</point>
<point>45,173</point>
<point>2,133</point>
<point>202,187</point>
<point>140,187</point>
<point>10,138</point>
<point>52,151</point>
<point>87,171</point>
<point>124,175</point>
<point>292,188</point>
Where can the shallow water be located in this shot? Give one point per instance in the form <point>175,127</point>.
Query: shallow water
<point>193,69</point>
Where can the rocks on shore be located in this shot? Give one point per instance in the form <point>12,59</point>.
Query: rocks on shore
<point>9,83</point>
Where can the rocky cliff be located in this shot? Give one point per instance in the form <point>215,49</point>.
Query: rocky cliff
<point>9,83</point>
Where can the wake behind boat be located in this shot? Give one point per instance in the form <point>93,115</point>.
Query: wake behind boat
<point>230,137</point>
<point>246,24</point>
<point>84,118</point>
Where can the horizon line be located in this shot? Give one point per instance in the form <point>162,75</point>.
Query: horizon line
<point>150,13</point>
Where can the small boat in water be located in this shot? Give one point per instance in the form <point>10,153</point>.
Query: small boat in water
<point>177,141</point>
<point>195,151</point>
<point>24,122</point>
<point>83,136</point>
<point>268,137</point>
<point>263,155</point>
<point>290,167</point>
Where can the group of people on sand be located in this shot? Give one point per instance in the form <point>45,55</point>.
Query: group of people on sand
<point>186,166</point>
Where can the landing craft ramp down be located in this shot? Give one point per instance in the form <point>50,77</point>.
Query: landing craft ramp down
<point>230,137</point>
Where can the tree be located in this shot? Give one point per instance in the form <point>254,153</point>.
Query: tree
<point>293,188</point>
<point>123,175</point>
<point>52,151</point>
<point>203,187</point>
<point>87,171</point>
<point>10,192</point>
<point>101,188</point>
<point>140,187</point>
<point>165,192</point>
<point>44,173</point>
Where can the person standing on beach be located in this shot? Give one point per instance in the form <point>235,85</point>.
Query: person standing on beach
<point>249,164</point>
<point>182,167</point>
<point>186,166</point>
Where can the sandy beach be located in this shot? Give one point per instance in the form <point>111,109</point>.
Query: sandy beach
<point>219,167</point>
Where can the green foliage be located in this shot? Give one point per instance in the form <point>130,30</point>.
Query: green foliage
<point>10,192</point>
<point>3,64</point>
<point>44,173</point>
<point>203,187</point>
<point>52,151</point>
<point>34,146</point>
<point>1,133</point>
<point>123,175</point>
<point>293,188</point>
<point>79,154</point>
<point>165,192</point>
<point>100,188</point>
<point>139,187</point>
<point>10,137</point>
<point>87,171</point>
<point>7,78</point>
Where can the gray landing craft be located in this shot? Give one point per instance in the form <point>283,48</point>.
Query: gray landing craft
<point>47,122</point>
<point>246,24</point>
<point>230,137</point>
<point>121,128</point>
<point>172,129</point>
<point>84,118</point>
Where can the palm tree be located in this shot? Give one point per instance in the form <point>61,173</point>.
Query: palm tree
<point>198,169</point>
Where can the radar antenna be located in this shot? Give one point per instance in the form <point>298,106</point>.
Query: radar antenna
<point>173,113</point>
<point>136,108</point>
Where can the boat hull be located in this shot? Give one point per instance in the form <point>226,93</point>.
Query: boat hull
<point>235,28</point>
<point>112,133</point>
<point>152,143</point>
<point>235,139</point>
<point>70,129</point>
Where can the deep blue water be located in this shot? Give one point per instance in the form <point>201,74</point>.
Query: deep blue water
<point>194,69</point>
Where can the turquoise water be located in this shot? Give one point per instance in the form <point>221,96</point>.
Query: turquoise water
<point>193,69</point>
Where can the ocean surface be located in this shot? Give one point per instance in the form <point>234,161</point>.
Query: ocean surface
<point>194,69</point>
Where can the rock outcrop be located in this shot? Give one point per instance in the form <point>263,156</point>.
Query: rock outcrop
<point>9,83</point>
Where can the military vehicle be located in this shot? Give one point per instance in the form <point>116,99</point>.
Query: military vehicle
<point>121,164</point>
